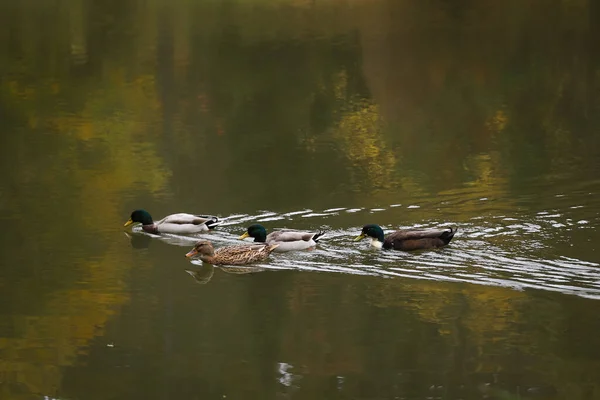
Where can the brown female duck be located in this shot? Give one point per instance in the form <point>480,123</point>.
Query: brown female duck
<point>231,255</point>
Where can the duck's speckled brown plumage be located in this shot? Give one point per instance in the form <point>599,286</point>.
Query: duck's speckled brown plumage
<point>231,255</point>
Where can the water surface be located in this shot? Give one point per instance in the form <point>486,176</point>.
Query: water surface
<point>309,115</point>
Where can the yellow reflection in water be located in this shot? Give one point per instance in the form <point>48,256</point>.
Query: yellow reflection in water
<point>113,124</point>
<point>359,132</point>
<point>73,317</point>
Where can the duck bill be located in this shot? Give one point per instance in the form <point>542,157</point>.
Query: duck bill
<point>244,236</point>
<point>360,237</point>
<point>129,222</point>
<point>191,253</point>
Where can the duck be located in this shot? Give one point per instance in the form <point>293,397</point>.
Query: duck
<point>231,255</point>
<point>181,223</point>
<point>408,239</point>
<point>288,240</point>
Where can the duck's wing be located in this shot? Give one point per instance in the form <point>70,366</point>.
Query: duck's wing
<point>239,255</point>
<point>414,234</point>
<point>240,249</point>
<point>293,236</point>
<point>187,219</point>
<point>412,239</point>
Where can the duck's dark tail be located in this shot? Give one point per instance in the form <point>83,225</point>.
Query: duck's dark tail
<point>318,236</point>
<point>448,235</point>
<point>213,222</point>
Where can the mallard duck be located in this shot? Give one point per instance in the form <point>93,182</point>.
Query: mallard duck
<point>181,223</point>
<point>231,255</point>
<point>288,240</point>
<point>409,239</point>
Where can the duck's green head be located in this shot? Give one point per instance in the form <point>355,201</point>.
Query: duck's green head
<point>371,230</point>
<point>141,216</point>
<point>258,232</point>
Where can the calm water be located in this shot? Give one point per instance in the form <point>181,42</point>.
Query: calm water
<point>309,115</point>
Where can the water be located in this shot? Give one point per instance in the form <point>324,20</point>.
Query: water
<point>305,115</point>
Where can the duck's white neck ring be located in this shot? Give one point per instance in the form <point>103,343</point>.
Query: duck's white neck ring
<point>376,243</point>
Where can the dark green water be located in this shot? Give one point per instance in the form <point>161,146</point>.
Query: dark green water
<point>309,115</point>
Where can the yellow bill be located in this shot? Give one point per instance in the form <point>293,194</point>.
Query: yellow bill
<point>360,237</point>
<point>244,236</point>
<point>129,222</point>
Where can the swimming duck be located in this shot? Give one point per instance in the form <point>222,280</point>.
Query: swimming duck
<point>181,223</point>
<point>231,255</point>
<point>288,240</point>
<point>409,239</point>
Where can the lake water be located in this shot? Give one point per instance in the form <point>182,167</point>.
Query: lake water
<point>317,115</point>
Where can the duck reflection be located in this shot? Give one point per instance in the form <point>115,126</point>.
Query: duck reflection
<point>142,240</point>
<point>138,241</point>
<point>204,273</point>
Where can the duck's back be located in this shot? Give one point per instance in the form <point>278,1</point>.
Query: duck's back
<point>242,254</point>
<point>183,223</point>
<point>408,240</point>
<point>290,240</point>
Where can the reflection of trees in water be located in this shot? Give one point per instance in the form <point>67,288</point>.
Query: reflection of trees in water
<point>372,164</point>
<point>498,78</point>
<point>382,333</point>
<point>418,98</point>
<point>65,320</point>
<point>76,143</point>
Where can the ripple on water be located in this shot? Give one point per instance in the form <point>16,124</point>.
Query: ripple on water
<point>313,214</point>
<point>274,218</point>
<point>334,209</point>
<point>289,214</point>
<point>483,252</point>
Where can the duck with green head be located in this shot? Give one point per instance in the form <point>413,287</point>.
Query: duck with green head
<point>180,223</point>
<point>288,240</point>
<point>408,239</point>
